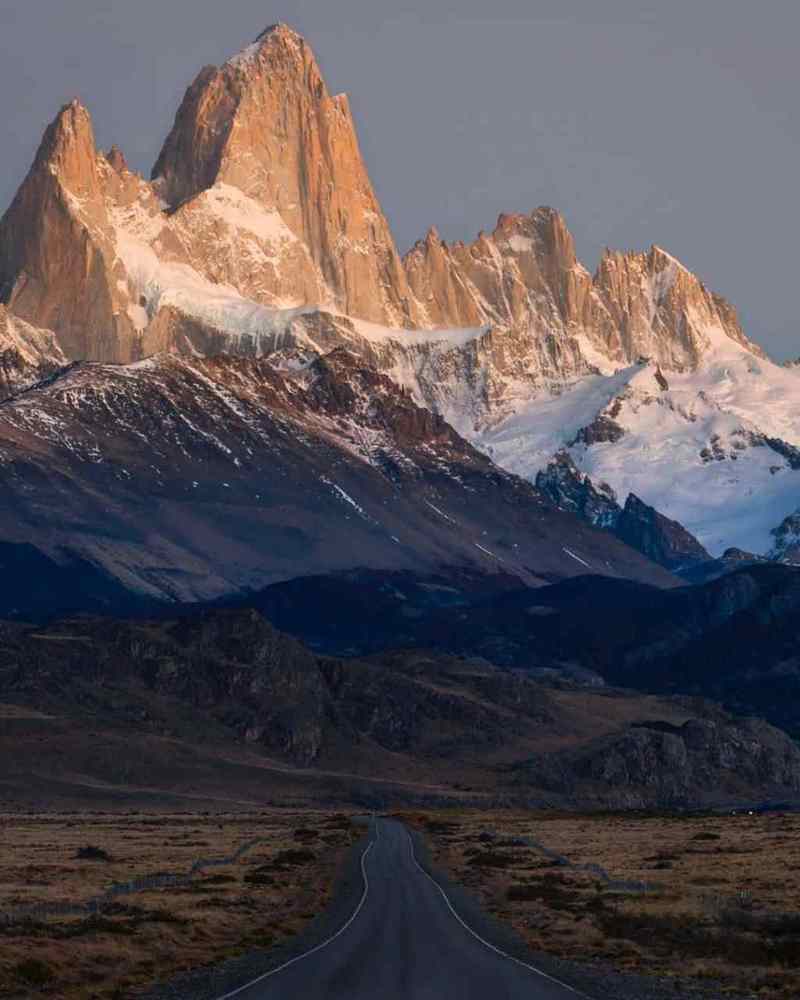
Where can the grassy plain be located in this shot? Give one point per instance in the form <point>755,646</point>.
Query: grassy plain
<point>722,901</point>
<point>266,896</point>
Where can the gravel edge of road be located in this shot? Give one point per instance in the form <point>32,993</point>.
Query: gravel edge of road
<point>211,982</point>
<point>595,979</point>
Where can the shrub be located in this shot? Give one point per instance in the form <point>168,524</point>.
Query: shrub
<point>493,859</point>
<point>294,857</point>
<point>261,876</point>
<point>91,853</point>
<point>34,972</point>
<point>551,891</point>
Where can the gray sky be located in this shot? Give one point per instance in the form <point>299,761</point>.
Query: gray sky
<point>670,122</point>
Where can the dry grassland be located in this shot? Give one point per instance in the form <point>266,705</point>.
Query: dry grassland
<point>266,896</point>
<point>722,901</point>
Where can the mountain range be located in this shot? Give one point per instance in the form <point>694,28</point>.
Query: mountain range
<point>259,237</point>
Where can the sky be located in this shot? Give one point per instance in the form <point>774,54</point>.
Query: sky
<point>642,122</point>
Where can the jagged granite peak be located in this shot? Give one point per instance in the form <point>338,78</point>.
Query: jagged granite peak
<point>58,260</point>
<point>116,159</point>
<point>497,278</point>
<point>636,305</point>
<point>280,29</point>
<point>654,307</point>
<point>68,148</point>
<point>265,124</point>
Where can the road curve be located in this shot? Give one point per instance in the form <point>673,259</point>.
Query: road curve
<point>403,941</point>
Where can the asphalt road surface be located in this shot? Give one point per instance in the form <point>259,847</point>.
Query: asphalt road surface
<point>403,941</point>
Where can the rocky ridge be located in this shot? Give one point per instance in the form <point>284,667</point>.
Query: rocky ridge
<point>642,527</point>
<point>787,540</point>
<point>189,479</point>
<point>225,688</point>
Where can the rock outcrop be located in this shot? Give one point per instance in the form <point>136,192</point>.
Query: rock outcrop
<point>569,489</point>
<point>659,538</point>
<point>787,540</point>
<point>27,355</point>
<point>668,766</point>
<point>642,527</point>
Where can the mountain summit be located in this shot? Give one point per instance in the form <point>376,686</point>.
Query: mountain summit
<point>265,125</point>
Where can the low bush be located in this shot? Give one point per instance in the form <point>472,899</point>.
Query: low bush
<point>492,859</point>
<point>34,972</point>
<point>91,853</point>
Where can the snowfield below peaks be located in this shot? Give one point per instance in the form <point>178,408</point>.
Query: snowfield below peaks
<point>712,448</point>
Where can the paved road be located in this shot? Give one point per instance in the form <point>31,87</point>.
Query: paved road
<point>403,942</point>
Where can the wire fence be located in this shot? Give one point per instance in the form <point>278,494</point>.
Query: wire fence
<point>597,871</point>
<point>95,905</point>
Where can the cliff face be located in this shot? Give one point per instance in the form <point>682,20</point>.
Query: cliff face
<point>787,540</point>
<point>568,489</point>
<point>56,250</point>
<point>659,538</point>
<point>265,125</point>
<point>704,759</point>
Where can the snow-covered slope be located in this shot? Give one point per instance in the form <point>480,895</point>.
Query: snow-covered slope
<point>717,448</point>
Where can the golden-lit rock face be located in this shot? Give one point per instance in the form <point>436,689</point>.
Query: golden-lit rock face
<point>260,198</point>
<point>265,124</point>
<point>526,275</point>
<point>56,255</point>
